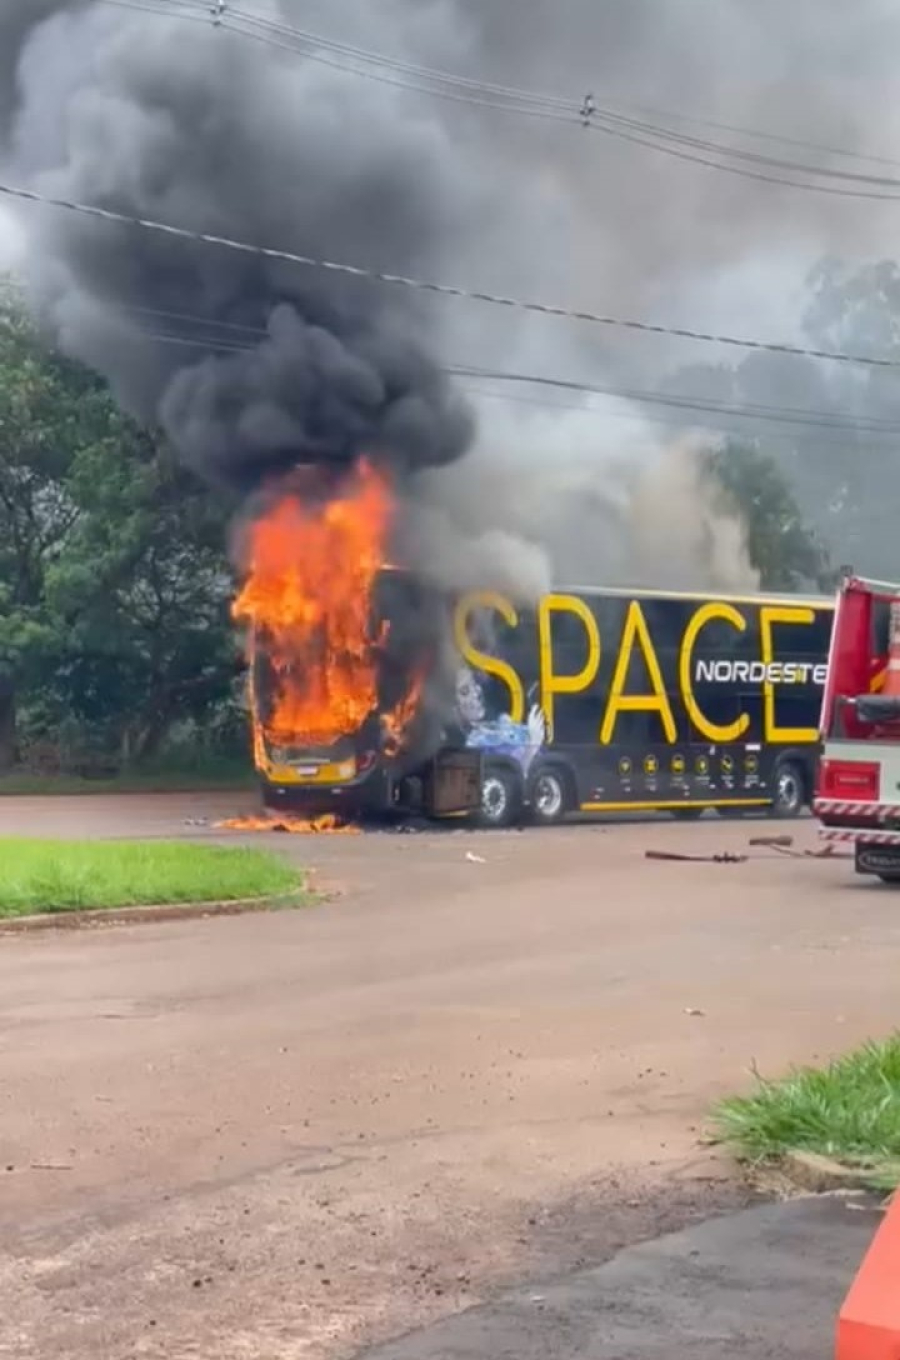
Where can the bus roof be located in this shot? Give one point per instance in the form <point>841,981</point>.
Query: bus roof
<point>727,596</point>
<point>648,592</point>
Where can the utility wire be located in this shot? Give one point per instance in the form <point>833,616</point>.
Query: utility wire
<point>836,435</point>
<point>236,340</point>
<point>442,84</point>
<point>231,340</point>
<point>683,401</point>
<point>787,437</point>
<point>441,289</point>
<point>568,104</point>
<point>586,109</point>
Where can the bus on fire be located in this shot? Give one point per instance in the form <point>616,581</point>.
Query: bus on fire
<point>591,700</point>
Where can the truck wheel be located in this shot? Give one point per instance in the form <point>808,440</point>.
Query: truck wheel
<point>790,790</point>
<point>501,798</point>
<point>551,797</point>
<point>890,878</point>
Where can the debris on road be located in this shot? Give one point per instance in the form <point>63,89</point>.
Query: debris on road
<point>673,857</point>
<point>474,859</point>
<point>781,845</point>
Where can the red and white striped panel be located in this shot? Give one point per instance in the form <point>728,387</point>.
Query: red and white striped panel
<point>838,807</point>
<point>860,835</point>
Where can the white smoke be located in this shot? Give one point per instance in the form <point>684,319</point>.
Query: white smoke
<point>12,243</point>
<point>584,497</point>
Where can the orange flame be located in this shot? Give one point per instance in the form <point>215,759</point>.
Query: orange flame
<point>395,724</point>
<point>293,826</point>
<point>307,603</point>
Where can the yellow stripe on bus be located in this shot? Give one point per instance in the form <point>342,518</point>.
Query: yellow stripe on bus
<point>681,803</point>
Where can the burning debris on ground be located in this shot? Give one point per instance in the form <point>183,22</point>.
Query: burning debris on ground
<point>291,826</point>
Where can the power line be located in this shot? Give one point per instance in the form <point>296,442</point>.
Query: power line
<point>440,289</point>
<point>832,438</point>
<point>643,109</point>
<point>232,332</point>
<point>235,338</point>
<point>462,89</point>
<point>752,410</point>
<point>586,109</point>
<point>835,433</point>
<point>527,109</point>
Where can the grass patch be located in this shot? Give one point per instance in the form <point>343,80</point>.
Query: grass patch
<point>63,876</point>
<point>211,779</point>
<point>848,1111</point>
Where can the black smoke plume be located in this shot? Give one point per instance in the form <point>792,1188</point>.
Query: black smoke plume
<point>185,122</point>
<point>251,366</point>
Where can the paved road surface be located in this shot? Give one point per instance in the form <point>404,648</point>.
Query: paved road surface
<point>756,1285</point>
<point>298,1134</point>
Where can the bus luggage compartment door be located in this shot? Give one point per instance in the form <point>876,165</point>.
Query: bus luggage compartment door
<point>454,783</point>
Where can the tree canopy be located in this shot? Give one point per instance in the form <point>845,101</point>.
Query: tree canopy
<point>114,581</point>
<point>781,546</point>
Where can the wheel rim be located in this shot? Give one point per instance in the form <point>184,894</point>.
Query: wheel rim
<point>494,798</point>
<point>789,792</point>
<point>548,796</point>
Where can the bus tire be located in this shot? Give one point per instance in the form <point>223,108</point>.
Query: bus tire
<point>501,798</point>
<point>551,796</point>
<point>789,797</point>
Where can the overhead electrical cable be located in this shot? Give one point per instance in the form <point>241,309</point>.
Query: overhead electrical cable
<point>144,224</point>
<point>430,81</point>
<point>238,338</point>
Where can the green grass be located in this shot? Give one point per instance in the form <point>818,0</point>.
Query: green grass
<point>210,779</point>
<point>848,1111</point>
<point>64,876</point>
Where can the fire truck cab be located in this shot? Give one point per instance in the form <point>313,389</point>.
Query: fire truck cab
<point>858,792</point>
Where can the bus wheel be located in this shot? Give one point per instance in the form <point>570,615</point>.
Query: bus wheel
<point>790,790</point>
<point>550,797</point>
<point>501,798</point>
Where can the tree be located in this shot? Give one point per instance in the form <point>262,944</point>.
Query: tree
<point>114,584</point>
<point>782,548</point>
<point>48,410</point>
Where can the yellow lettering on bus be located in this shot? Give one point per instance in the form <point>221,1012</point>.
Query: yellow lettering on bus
<point>551,683</point>
<point>713,732</point>
<point>637,633</point>
<point>770,615</point>
<point>482,661</point>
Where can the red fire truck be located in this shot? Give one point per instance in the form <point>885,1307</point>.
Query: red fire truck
<point>858,793</point>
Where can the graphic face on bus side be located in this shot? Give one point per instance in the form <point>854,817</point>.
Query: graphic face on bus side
<point>499,734</point>
<point>609,670</point>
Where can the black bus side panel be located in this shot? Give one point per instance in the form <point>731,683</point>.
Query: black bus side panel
<point>679,708</point>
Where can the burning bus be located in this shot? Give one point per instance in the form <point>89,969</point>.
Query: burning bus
<point>373,691</point>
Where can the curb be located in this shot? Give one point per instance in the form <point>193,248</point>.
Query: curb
<point>126,916</point>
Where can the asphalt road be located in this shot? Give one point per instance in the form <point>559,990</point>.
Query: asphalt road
<point>487,1059</point>
<point>757,1285</point>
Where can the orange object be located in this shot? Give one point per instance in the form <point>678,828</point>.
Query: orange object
<point>869,1322</point>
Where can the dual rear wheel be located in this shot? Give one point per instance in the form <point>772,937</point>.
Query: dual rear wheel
<point>502,797</point>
